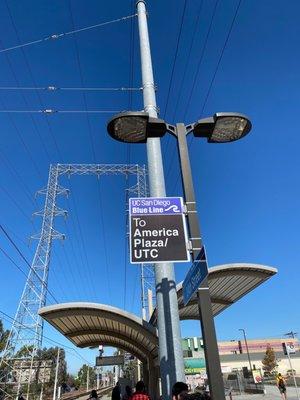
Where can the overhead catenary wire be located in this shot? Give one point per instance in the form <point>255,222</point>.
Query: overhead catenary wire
<point>24,258</point>
<point>175,57</point>
<point>51,134</point>
<point>50,111</point>
<point>128,147</point>
<point>215,72</point>
<point>187,61</point>
<point>53,88</point>
<point>199,63</point>
<point>10,319</point>
<point>56,36</point>
<point>78,59</point>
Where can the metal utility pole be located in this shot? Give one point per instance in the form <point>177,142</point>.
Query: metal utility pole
<point>56,374</point>
<point>87,378</point>
<point>212,358</point>
<point>170,347</point>
<point>293,375</point>
<point>246,343</point>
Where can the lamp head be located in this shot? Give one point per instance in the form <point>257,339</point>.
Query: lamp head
<point>135,127</point>
<point>223,127</point>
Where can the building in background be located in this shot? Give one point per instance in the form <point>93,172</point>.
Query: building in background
<point>233,355</point>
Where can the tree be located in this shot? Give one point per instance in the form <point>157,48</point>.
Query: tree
<point>82,376</point>
<point>3,336</point>
<point>269,361</point>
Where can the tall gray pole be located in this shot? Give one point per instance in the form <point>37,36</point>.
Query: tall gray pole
<point>212,358</point>
<point>170,347</point>
<point>247,349</point>
<point>56,374</point>
<point>291,367</point>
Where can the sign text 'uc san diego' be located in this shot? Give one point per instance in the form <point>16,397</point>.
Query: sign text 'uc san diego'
<point>157,230</point>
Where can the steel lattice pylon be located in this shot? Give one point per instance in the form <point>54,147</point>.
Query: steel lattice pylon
<point>27,327</point>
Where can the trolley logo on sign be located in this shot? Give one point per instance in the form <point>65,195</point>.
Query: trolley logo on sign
<point>157,230</point>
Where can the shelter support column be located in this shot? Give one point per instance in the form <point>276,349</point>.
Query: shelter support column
<point>153,386</point>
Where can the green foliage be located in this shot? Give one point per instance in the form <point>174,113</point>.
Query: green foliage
<point>82,376</point>
<point>3,336</point>
<point>129,369</point>
<point>24,352</point>
<point>269,361</point>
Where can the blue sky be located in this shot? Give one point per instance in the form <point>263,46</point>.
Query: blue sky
<point>247,192</point>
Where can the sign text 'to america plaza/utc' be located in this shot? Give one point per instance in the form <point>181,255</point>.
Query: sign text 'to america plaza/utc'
<point>157,230</point>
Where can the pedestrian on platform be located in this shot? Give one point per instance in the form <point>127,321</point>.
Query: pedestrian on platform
<point>179,389</point>
<point>116,392</point>
<point>281,386</point>
<point>94,395</point>
<point>140,392</point>
<point>128,393</point>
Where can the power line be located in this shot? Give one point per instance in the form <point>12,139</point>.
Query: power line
<point>11,320</point>
<point>39,98</point>
<point>24,258</point>
<point>128,147</point>
<point>175,57</point>
<point>93,148</point>
<point>64,34</point>
<point>51,111</point>
<point>53,89</point>
<point>214,74</point>
<point>197,71</point>
<point>221,56</point>
<point>201,57</point>
<point>185,71</point>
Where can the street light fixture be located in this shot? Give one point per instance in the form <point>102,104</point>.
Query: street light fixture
<point>137,127</point>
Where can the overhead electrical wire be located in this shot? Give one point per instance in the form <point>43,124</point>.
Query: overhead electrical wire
<point>10,319</point>
<point>175,57</point>
<point>216,70</point>
<point>51,111</point>
<point>65,34</point>
<point>24,259</point>
<point>128,147</point>
<point>187,61</point>
<point>58,88</point>
<point>56,146</point>
<point>199,63</point>
<point>220,57</point>
<point>201,58</point>
<point>92,147</point>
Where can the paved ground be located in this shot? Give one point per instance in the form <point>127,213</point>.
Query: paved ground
<point>272,394</point>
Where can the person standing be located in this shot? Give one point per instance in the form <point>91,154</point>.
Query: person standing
<point>140,392</point>
<point>94,395</point>
<point>128,393</point>
<point>281,384</point>
<point>179,389</point>
<point>116,392</point>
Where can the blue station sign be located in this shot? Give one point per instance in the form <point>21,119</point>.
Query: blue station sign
<point>196,275</point>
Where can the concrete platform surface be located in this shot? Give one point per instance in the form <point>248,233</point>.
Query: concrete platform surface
<point>272,393</point>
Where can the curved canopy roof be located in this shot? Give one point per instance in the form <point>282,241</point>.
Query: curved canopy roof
<point>227,284</point>
<point>91,324</point>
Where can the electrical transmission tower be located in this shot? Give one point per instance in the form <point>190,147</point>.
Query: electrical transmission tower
<point>27,327</point>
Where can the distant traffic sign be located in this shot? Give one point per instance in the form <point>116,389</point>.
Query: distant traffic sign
<point>109,360</point>
<point>157,230</point>
<point>288,348</point>
<point>196,275</point>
